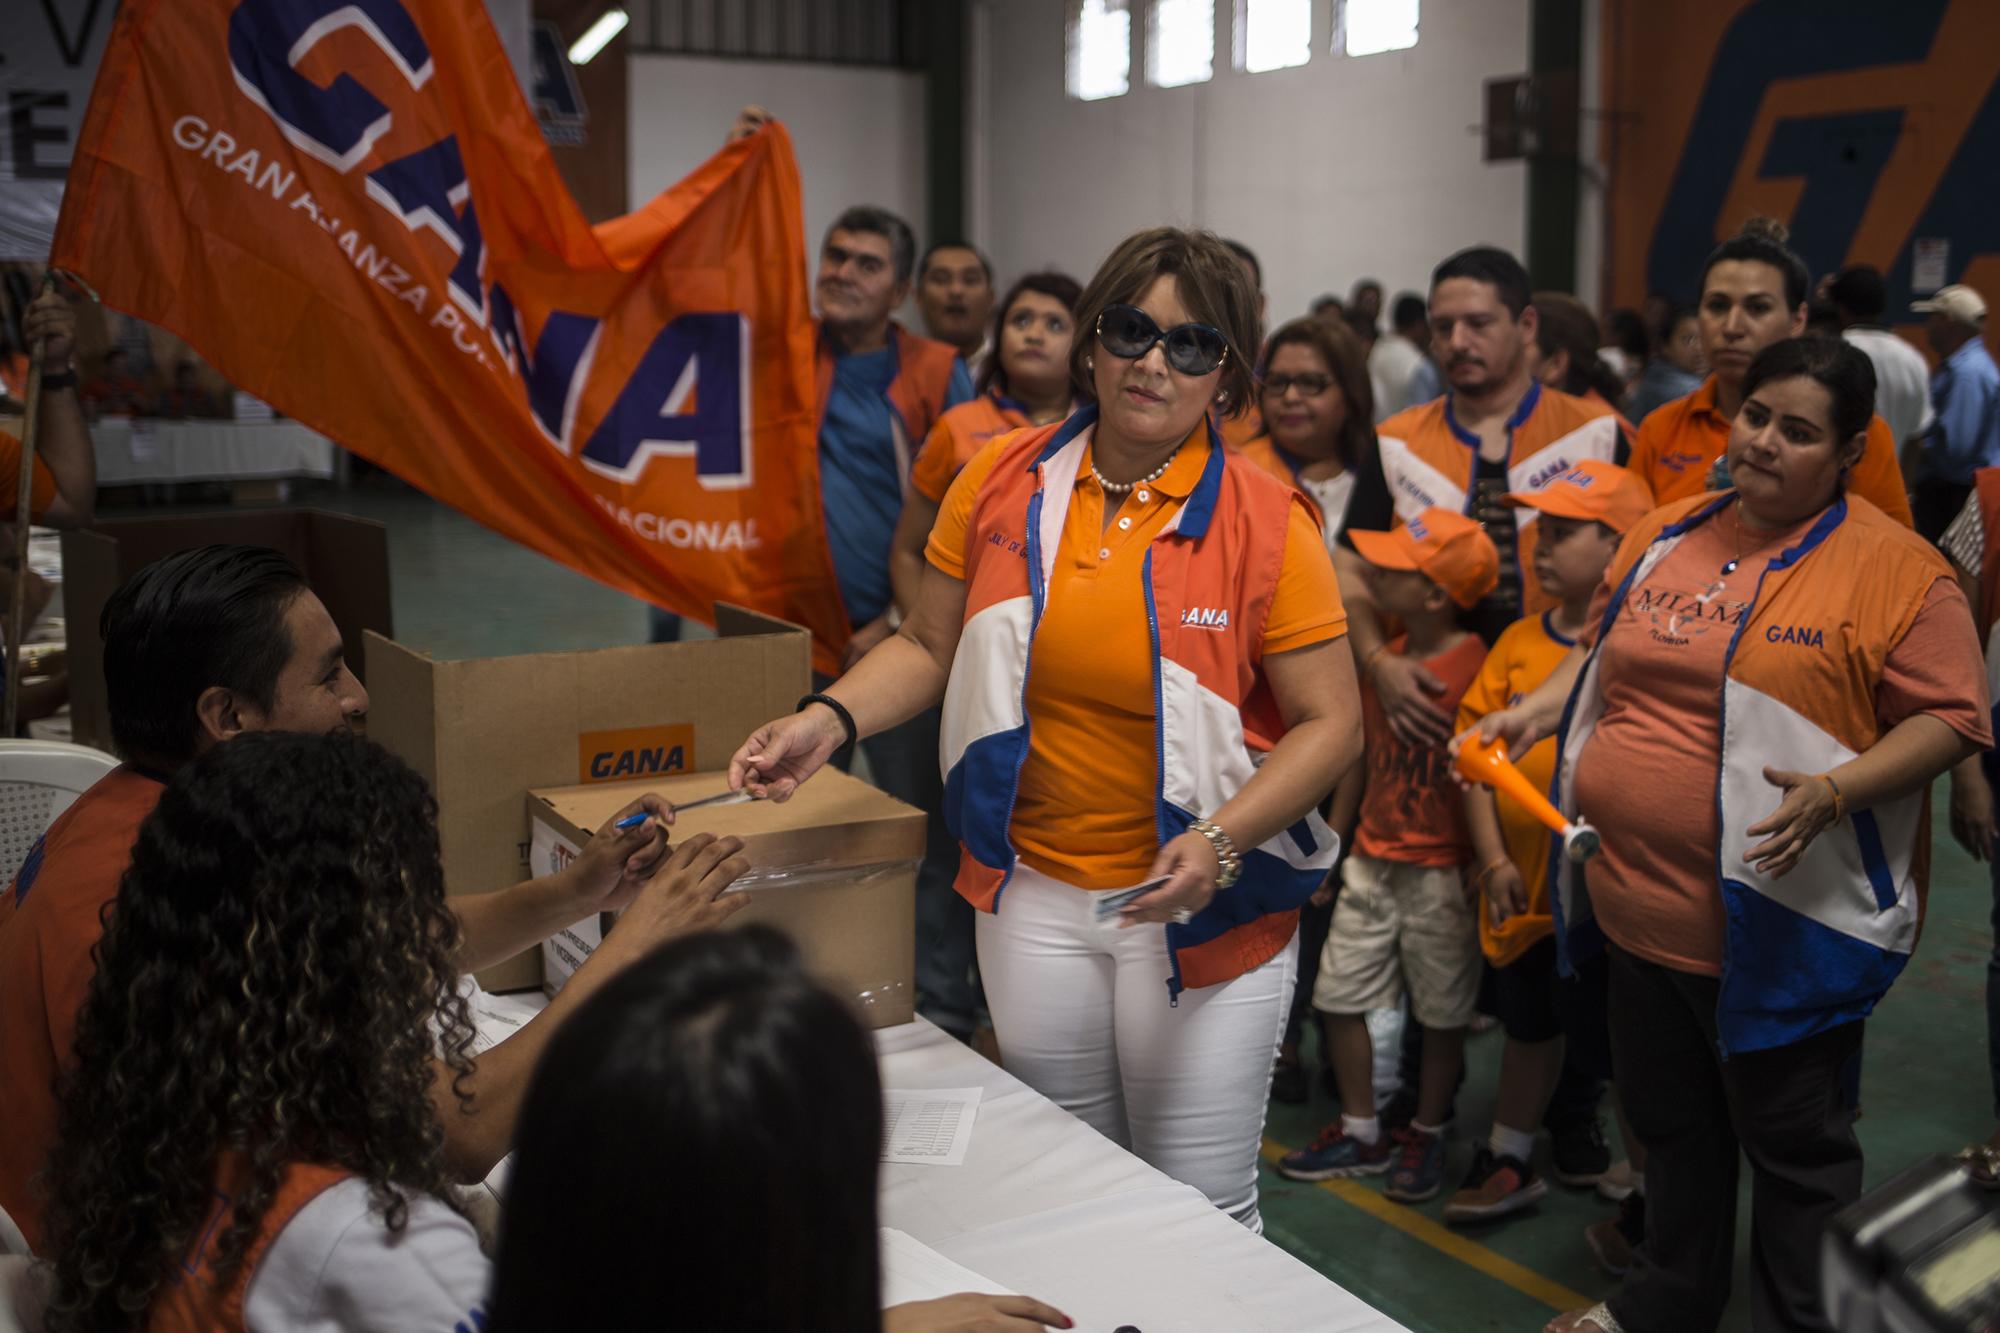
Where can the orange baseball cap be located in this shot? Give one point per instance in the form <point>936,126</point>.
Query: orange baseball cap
<point>1445,546</point>
<point>1595,491</point>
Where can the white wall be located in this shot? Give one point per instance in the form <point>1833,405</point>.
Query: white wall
<point>1339,169</point>
<point>858,131</point>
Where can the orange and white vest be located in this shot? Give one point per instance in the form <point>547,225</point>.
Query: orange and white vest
<point>1215,716</point>
<point>194,1300</point>
<point>1429,460</point>
<point>1820,946</point>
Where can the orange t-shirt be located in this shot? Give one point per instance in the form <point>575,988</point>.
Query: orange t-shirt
<point>1085,812</point>
<point>1678,443</point>
<point>1654,886</point>
<point>49,923</point>
<point>1413,811</point>
<point>1524,656</point>
<point>40,494</point>
<point>958,437</point>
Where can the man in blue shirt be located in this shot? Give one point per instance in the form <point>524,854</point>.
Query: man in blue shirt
<point>1965,393</point>
<point>881,388</point>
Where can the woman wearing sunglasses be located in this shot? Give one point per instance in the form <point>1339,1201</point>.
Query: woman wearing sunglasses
<point>1138,640</point>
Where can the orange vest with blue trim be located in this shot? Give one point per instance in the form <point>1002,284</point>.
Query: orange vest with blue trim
<point>194,1300</point>
<point>1820,946</point>
<point>915,397</point>
<point>1219,555</point>
<point>1429,460</point>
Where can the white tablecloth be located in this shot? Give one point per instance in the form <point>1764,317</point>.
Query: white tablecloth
<point>1046,1206</point>
<point>147,450</point>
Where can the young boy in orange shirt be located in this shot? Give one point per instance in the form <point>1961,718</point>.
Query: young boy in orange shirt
<point>1582,515</point>
<point>1403,919</point>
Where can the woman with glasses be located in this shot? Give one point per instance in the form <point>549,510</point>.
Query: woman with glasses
<point>1318,412</point>
<point>1138,639</point>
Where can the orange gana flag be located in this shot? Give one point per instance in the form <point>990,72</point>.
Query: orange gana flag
<point>347,207</point>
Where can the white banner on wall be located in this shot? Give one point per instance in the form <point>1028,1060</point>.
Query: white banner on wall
<point>49,51</point>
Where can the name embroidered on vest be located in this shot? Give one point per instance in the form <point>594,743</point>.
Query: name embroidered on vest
<point>1205,617</point>
<point>1410,488</point>
<point>1681,460</point>
<point>1801,635</point>
<point>1543,476</point>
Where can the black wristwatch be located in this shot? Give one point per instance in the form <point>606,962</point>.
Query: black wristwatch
<point>62,379</point>
<point>839,711</point>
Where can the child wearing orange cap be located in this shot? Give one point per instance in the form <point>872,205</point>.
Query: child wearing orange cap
<point>1580,516</point>
<point>1402,919</point>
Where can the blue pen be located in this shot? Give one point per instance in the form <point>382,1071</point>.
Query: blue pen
<point>720,798</point>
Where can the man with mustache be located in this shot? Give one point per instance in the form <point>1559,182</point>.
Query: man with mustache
<point>1495,430</point>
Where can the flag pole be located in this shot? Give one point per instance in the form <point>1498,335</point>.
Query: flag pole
<point>17,610</point>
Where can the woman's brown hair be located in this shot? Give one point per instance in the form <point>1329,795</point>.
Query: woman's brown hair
<point>1213,286</point>
<point>1341,350</point>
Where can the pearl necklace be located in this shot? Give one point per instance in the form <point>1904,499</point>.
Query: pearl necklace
<point>1126,487</point>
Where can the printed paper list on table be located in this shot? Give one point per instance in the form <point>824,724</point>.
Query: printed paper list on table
<point>928,1126</point>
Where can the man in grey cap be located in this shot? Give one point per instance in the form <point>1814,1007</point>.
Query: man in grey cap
<point>1965,394</point>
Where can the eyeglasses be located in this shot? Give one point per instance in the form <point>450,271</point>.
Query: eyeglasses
<point>1309,386</point>
<point>1192,349</point>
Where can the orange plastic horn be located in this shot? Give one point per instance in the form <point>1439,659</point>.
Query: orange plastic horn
<point>1488,764</point>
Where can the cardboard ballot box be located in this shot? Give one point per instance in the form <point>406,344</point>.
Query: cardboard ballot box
<point>345,561</point>
<point>485,730</point>
<point>835,867</point>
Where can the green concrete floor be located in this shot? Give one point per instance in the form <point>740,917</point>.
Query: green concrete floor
<point>463,592</point>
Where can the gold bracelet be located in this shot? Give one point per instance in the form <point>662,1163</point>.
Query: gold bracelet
<point>1486,872</point>
<point>1368,663</point>
<point>1839,801</point>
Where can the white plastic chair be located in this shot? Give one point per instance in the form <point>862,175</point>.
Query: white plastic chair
<point>24,1294</point>
<point>11,1239</point>
<point>38,781</point>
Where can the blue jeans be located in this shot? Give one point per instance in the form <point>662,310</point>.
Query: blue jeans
<point>904,762</point>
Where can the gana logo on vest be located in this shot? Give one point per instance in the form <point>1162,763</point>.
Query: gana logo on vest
<point>1554,471</point>
<point>1205,617</point>
<point>1803,635</point>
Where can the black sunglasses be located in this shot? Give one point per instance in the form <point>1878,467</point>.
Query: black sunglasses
<point>1192,349</point>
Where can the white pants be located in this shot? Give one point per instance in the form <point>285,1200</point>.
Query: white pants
<point>1081,1013</point>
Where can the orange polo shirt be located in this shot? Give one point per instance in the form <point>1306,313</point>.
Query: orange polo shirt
<point>1085,812</point>
<point>49,923</point>
<point>1678,443</point>
<point>1524,656</point>
<point>958,436</point>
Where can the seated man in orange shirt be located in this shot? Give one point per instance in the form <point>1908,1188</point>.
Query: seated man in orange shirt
<point>65,484</point>
<point>203,646</point>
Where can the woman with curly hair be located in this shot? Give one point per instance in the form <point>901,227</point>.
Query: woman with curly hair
<point>247,1139</point>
